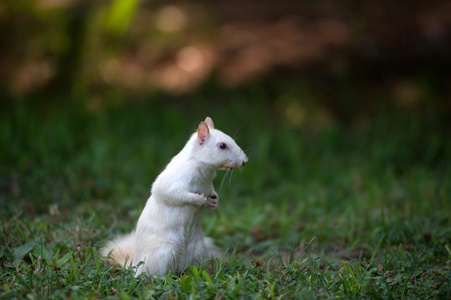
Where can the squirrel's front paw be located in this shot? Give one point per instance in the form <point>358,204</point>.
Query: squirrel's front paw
<point>212,202</point>
<point>200,199</point>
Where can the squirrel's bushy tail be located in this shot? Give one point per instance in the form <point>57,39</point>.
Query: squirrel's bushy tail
<point>121,250</point>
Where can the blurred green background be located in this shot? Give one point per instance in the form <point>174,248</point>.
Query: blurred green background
<point>342,107</point>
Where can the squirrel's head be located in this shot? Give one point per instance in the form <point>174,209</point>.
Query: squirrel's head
<point>215,148</point>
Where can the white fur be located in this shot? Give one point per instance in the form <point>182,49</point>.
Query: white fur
<point>168,236</point>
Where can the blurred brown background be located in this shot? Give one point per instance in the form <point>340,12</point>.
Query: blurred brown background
<point>135,48</point>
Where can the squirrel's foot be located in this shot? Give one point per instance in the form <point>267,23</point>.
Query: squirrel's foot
<point>212,202</point>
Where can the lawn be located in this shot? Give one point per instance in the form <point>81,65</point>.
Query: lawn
<point>322,210</point>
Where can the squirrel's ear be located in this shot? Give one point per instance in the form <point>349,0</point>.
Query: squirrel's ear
<point>209,122</point>
<point>203,133</point>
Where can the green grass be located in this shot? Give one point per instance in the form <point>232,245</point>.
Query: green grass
<point>338,212</point>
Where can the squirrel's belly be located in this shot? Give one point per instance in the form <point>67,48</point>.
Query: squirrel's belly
<point>182,222</point>
<point>184,216</point>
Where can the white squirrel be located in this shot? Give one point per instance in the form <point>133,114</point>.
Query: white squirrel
<point>168,236</point>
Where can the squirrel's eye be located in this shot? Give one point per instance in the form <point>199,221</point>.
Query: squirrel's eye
<point>222,146</point>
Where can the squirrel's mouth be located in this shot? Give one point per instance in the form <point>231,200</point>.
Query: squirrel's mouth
<point>229,166</point>
<point>226,167</point>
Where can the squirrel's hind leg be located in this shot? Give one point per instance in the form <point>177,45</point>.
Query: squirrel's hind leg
<point>157,260</point>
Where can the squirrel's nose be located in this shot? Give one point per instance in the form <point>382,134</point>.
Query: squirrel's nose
<point>244,161</point>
